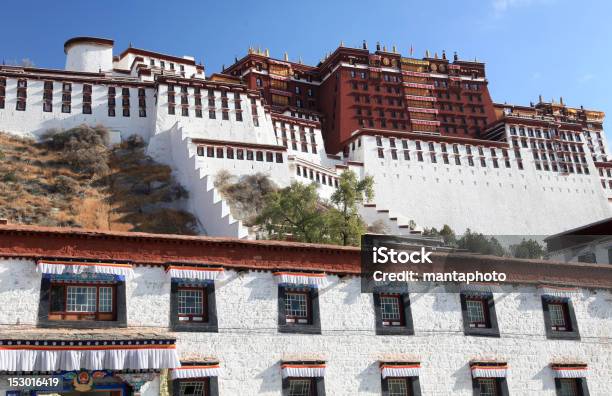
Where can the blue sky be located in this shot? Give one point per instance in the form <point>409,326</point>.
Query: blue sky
<point>531,47</point>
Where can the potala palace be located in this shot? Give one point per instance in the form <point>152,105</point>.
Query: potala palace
<point>439,149</point>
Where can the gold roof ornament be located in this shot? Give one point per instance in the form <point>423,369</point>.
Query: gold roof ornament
<point>267,52</point>
<point>341,43</point>
<point>436,55</point>
<point>426,53</point>
<point>286,57</point>
<point>300,60</point>
<point>385,48</point>
<point>394,49</point>
<point>250,50</point>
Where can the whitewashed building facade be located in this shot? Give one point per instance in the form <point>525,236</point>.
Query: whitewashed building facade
<point>129,313</point>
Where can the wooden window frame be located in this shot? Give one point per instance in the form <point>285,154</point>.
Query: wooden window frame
<point>312,324</point>
<point>84,315</point>
<point>573,332</point>
<point>406,326</point>
<point>191,317</point>
<point>491,327</point>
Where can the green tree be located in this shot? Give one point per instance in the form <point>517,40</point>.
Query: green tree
<point>295,212</point>
<point>527,249</point>
<point>346,225</point>
<point>478,243</point>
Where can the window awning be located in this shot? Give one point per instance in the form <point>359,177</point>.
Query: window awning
<point>302,278</point>
<point>63,267</point>
<point>559,291</point>
<point>28,355</point>
<point>303,369</point>
<point>479,288</point>
<point>572,370</point>
<point>488,370</point>
<point>197,371</point>
<point>400,369</point>
<point>199,273</point>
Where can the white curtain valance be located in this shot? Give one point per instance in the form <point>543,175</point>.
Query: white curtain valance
<point>211,370</point>
<point>303,370</point>
<point>59,268</point>
<point>69,358</point>
<point>479,288</point>
<point>561,292</point>
<point>571,372</point>
<point>301,278</point>
<point>400,370</point>
<point>489,371</point>
<point>199,273</point>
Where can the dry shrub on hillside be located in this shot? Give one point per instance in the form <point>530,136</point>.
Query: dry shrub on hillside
<point>84,148</point>
<point>245,195</point>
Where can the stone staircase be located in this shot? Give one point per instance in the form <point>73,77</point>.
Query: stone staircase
<point>205,202</point>
<point>394,225</point>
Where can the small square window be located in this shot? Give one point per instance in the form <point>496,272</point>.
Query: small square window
<point>393,314</point>
<point>298,309</point>
<point>559,318</point>
<point>479,316</point>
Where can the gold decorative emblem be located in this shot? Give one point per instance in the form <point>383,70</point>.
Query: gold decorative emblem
<point>433,67</point>
<point>386,61</point>
<point>82,382</point>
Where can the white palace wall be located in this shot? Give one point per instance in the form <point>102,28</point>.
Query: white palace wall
<point>502,201</point>
<point>250,348</point>
<point>34,122</point>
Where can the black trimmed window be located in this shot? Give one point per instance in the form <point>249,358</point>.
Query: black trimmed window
<point>206,386</point>
<point>22,94</point>
<point>298,309</point>
<point>303,386</point>
<point>2,92</point>
<point>66,97</point>
<point>401,386</point>
<point>490,386</point>
<point>86,99</point>
<point>571,387</point>
<point>559,318</point>
<point>125,101</point>
<point>142,102</point>
<point>479,316</point>
<point>48,96</point>
<point>393,314</point>
<point>111,101</point>
<point>93,301</point>
<point>193,306</point>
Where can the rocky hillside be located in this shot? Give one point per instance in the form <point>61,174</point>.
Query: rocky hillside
<point>72,178</point>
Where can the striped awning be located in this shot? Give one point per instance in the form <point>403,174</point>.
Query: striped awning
<point>489,370</point>
<point>199,273</point>
<point>398,369</point>
<point>197,371</point>
<point>418,85</point>
<point>303,369</point>
<point>577,370</point>
<point>65,267</point>
<point>559,291</point>
<point>424,122</point>
<point>88,355</point>
<point>480,288</point>
<point>423,98</point>
<point>301,278</point>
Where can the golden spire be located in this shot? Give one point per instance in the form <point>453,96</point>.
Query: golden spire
<point>286,57</point>
<point>394,49</point>
<point>250,50</point>
<point>267,52</point>
<point>426,53</point>
<point>341,43</point>
<point>436,55</point>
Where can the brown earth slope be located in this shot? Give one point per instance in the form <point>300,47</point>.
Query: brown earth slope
<point>77,181</point>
